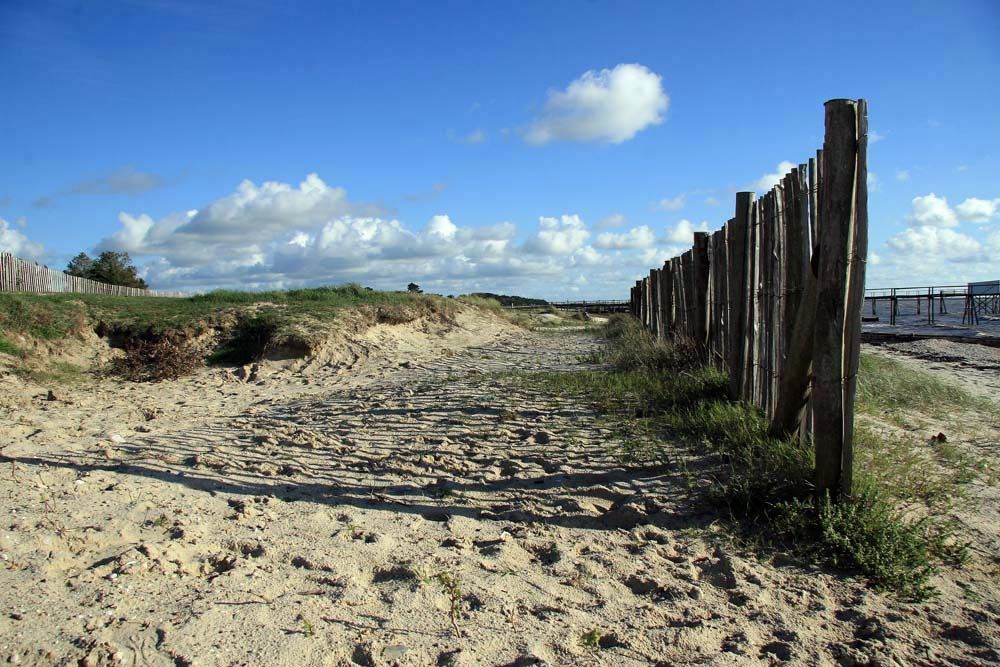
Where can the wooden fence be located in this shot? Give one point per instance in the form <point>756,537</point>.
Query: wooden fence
<point>774,298</point>
<point>18,275</point>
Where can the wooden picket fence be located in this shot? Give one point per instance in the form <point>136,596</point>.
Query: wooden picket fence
<point>774,298</point>
<point>18,275</point>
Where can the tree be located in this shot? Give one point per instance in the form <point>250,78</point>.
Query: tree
<point>415,288</point>
<point>80,265</point>
<point>113,268</point>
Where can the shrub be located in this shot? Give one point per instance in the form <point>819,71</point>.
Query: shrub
<point>155,358</point>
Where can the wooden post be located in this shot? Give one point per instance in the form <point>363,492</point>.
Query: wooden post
<point>700,289</point>
<point>793,390</point>
<point>677,300</point>
<point>750,308</point>
<point>838,306</point>
<point>737,241</point>
<point>855,292</point>
<point>666,297</point>
<point>654,299</point>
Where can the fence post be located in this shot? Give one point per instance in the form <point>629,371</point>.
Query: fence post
<point>737,241</point>
<point>700,289</point>
<point>654,302</point>
<point>836,343</point>
<point>665,288</point>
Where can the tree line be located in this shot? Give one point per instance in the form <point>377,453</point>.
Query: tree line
<point>113,268</point>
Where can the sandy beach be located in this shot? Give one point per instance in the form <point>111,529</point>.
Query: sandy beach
<point>404,498</point>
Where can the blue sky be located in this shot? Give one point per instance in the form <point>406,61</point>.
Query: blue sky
<point>552,149</point>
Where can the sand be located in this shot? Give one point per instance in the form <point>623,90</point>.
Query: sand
<point>402,498</point>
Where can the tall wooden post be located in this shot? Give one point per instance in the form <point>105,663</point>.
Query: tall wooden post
<point>700,288</point>
<point>842,236</point>
<point>737,242</point>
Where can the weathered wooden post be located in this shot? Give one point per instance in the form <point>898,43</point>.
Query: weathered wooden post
<point>654,300</point>
<point>666,300</point>
<point>843,237</point>
<point>700,289</point>
<point>737,241</point>
<point>798,311</point>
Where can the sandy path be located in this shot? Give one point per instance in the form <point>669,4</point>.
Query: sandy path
<point>416,511</point>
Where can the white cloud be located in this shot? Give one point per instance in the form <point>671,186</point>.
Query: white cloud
<point>588,256</point>
<point>279,236</point>
<point>672,203</point>
<point>902,175</point>
<point>768,181</point>
<point>935,242</point>
<point>558,236</point>
<point>978,210</point>
<point>683,231</point>
<point>613,220</point>
<point>475,137</point>
<point>636,238</point>
<point>16,243</point>
<point>931,210</point>
<point>932,251</point>
<point>609,106</point>
<point>874,137</point>
<point>442,228</point>
<point>712,201</point>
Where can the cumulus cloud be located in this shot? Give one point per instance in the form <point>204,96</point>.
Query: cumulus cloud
<point>978,210</point>
<point>613,220</point>
<point>276,235</point>
<point>16,243</point>
<point>933,250</point>
<point>928,241</point>
<point>609,106</point>
<point>558,236</point>
<point>768,181</point>
<point>683,232</point>
<point>933,211</point>
<point>672,203</point>
<point>636,238</point>
<point>929,255</point>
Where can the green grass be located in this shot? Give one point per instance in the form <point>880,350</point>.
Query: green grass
<point>7,347</point>
<point>54,374</point>
<point>661,395</point>
<point>520,318</point>
<point>52,316</point>
<point>247,325</point>
<point>888,387</point>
